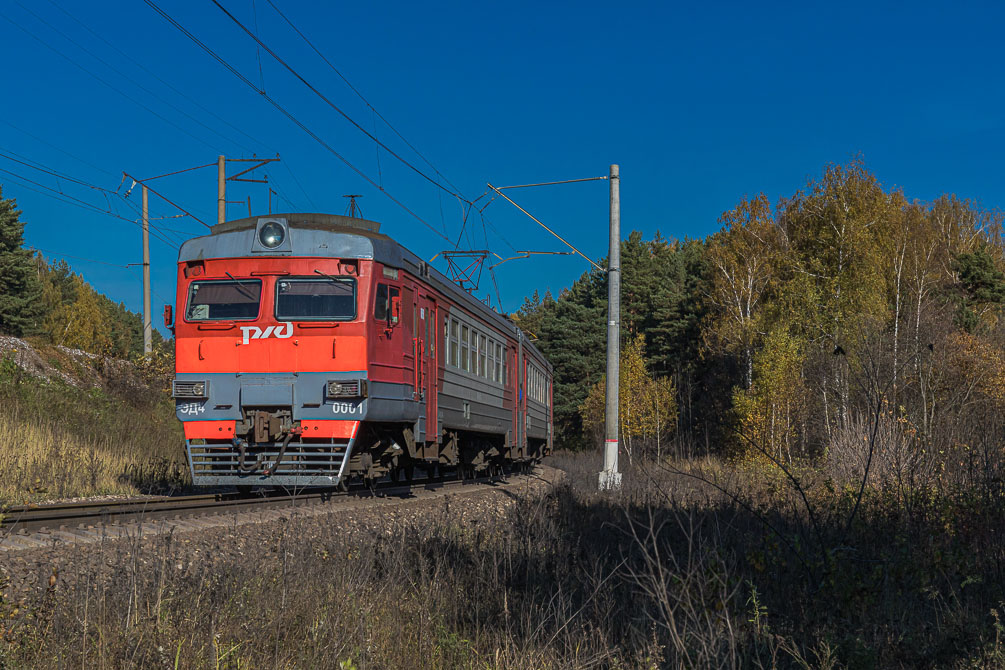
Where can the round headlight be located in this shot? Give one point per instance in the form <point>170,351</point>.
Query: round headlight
<point>271,235</point>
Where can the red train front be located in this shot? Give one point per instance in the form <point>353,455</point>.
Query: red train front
<point>311,348</point>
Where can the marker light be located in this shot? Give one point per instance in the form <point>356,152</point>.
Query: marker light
<point>271,235</point>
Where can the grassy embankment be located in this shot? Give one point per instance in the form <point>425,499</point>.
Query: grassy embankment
<point>692,565</point>
<point>112,430</point>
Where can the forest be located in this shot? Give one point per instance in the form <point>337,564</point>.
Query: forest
<point>46,299</point>
<point>797,328</point>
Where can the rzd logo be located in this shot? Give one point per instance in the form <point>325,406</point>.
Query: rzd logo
<point>256,333</point>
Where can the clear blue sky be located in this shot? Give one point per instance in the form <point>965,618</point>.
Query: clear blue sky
<point>699,103</point>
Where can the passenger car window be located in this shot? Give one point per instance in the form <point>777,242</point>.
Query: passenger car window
<point>316,298</point>
<point>223,300</point>
<point>464,349</point>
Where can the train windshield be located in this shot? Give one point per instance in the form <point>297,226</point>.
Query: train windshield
<point>224,300</point>
<point>322,298</point>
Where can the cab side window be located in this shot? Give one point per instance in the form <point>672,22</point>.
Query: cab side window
<point>382,304</point>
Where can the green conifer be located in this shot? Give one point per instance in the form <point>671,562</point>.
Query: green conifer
<point>20,291</point>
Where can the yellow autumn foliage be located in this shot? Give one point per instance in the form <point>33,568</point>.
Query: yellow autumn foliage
<point>647,406</point>
<point>979,362</point>
<point>769,411</point>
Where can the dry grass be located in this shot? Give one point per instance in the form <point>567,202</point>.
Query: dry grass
<point>577,579</point>
<point>60,441</point>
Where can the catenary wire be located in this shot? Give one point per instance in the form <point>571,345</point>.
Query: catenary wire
<point>102,81</point>
<point>59,149</point>
<point>128,78</point>
<point>285,112</point>
<point>176,90</point>
<point>76,202</point>
<point>57,254</point>
<point>331,104</point>
<point>209,112</point>
<point>381,117</point>
<point>360,95</point>
<point>35,165</point>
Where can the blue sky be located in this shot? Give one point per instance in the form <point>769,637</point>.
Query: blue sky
<point>699,103</point>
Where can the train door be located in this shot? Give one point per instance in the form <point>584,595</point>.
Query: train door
<point>408,320</point>
<point>513,382</point>
<point>427,370</point>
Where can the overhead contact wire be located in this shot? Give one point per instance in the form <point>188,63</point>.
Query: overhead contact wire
<point>288,114</point>
<point>365,101</point>
<point>331,104</point>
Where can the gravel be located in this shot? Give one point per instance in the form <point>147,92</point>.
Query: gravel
<point>29,573</point>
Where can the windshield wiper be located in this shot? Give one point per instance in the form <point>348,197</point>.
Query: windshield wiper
<point>335,279</point>
<point>239,286</point>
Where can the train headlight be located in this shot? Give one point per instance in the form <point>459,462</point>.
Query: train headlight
<point>190,389</point>
<point>346,388</point>
<point>271,235</point>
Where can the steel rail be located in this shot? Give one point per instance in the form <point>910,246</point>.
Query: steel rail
<point>95,513</point>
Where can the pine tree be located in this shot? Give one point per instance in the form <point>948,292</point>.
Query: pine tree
<point>20,291</point>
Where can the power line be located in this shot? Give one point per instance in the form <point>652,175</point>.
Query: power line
<point>59,149</point>
<point>288,115</point>
<point>125,76</point>
<point>354,90</point>
<point>381,117</point>
<point>165,199</point>
<point>99,79</point>
<point>64,197</point>
<point>80,258</point>
<point>299,185</point>
<point>169,85</point>
<point>35,165</point>
<point>331,104</point>
<point>76,202</point>
<point>181,93</point>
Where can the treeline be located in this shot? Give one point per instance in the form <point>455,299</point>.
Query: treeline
<point>48,300</point>
<point>799,325</point>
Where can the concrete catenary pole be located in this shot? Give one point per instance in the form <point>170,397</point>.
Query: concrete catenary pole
<point>147,331</point>
<point>221,189</point>
<point>610,478</point>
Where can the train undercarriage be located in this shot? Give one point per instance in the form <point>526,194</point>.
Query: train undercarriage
<point>269,448</point>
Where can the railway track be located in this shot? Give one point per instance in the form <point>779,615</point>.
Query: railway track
<point>36,524</point>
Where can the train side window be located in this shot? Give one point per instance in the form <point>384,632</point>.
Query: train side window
<point>455,351</point>
<point>482,354</point>
<point>382,304</point>
<point>474,352</point>
<point>464,349</point>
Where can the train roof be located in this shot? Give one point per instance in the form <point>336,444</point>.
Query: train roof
<point>332,236</point>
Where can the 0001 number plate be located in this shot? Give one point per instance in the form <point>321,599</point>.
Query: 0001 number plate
<point>347,407</point>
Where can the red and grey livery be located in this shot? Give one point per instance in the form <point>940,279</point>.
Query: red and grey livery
<point>310,349</point>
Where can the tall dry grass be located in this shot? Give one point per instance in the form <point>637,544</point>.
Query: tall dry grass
<point>106,436</point>
<point>659,575</point>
